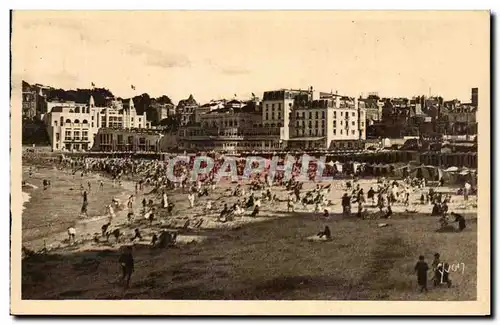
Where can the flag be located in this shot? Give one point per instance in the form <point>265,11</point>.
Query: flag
<point>235,96</point>
<point>132,86</point>
<point>92,84</point>
<point>253,95</point>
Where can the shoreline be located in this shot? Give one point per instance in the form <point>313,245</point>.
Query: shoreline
<point>86,228</point>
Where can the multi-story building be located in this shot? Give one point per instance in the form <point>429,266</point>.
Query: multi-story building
<point>29,101</point>
<point>332,122</point>
<point>231,129</point>
<point>127,140</point>
<point>159,111</point>
<point>186,110</point>
<point>73,126</point>
<point>277,106</point>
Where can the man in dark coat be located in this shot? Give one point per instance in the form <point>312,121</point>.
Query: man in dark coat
<point>421,268</point>
<point>126,261</point>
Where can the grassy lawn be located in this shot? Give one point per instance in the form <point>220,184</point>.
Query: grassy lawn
<point>273,260</point>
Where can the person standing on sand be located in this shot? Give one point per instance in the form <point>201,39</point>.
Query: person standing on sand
<point>126,261</point>
<point>101,185</point>
<point>421,268</point>
<point>164,200</point>
<point>71,235</point>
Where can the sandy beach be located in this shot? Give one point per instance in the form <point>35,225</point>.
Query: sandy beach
<point>257,246</point>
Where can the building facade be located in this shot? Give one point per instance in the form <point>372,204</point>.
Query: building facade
<point>73,126</point>
<point>127,140</point>
<point>332,122</point>
<point>231,129</point>
<point>277,106</point>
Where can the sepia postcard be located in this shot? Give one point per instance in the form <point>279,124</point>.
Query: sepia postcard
<point>250,163</point>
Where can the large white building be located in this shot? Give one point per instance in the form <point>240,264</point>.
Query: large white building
<point>277,106</point>
<point>73,126</point>
<point>331,122</point>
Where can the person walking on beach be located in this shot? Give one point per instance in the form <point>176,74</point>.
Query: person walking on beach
<point>71,235</point>
<point>191,199</point>
<point>126,261</point>
<point>85,204</point>
<point>421,268</point>
<point>101,186</point>
<point>346,205</point>
<point>164,201</point>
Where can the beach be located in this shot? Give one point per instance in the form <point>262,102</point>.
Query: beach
<point>265,257</point>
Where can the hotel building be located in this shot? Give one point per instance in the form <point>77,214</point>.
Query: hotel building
<point>73,126</point>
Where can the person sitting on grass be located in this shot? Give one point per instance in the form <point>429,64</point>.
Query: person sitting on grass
<point>325,233</point>
<point>388,213</point>
<point>223,214</point>
<point>460,219</point>
<point>137,234</point>
<point>256,210</point>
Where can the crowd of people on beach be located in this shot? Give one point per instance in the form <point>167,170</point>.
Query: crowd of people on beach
<point>157,208</point>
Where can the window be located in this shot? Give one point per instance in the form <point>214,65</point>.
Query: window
<point>267,116</point>
<point>77,109</point>
<point>310,132</point>
<point>341,131</point>
<point>272,106</point>
<point>316,132</point>
<point>334,132</point>
<point>92,124</point>
<point>341,122</point>
<point>85,122</point>
<point>297,116</point>
<point>341,113</point>
<point>76,135</point>
<point>353,132</point>
<point>279,115</point>
<point>67,135</point>
<point>279,106</point>
<point>68,121</point>
<point>273,115</point>
<point>77,121</point>
<point>297,124</point>
<point>317,114</point>
<point>323,114</point>
<point>119,139</point>
<point>323,123</point>
<point>334,114</point>
<point>267,106</point>
<point>353,123</point>
<point>55,123</point>
<point>303,114</point>
<point>92,117</point>
<point>316,124</point>
<point>334,124</point>
<point>303,123</point>
<point>310,115</point>
<point>85,135</point>
<point>353,114</point>
<point>57,137</point>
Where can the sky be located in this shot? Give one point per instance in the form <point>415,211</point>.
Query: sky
<point>215,55</point>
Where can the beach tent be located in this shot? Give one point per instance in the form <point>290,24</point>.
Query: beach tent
<point>427,172</point>
<point>451,169</point>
